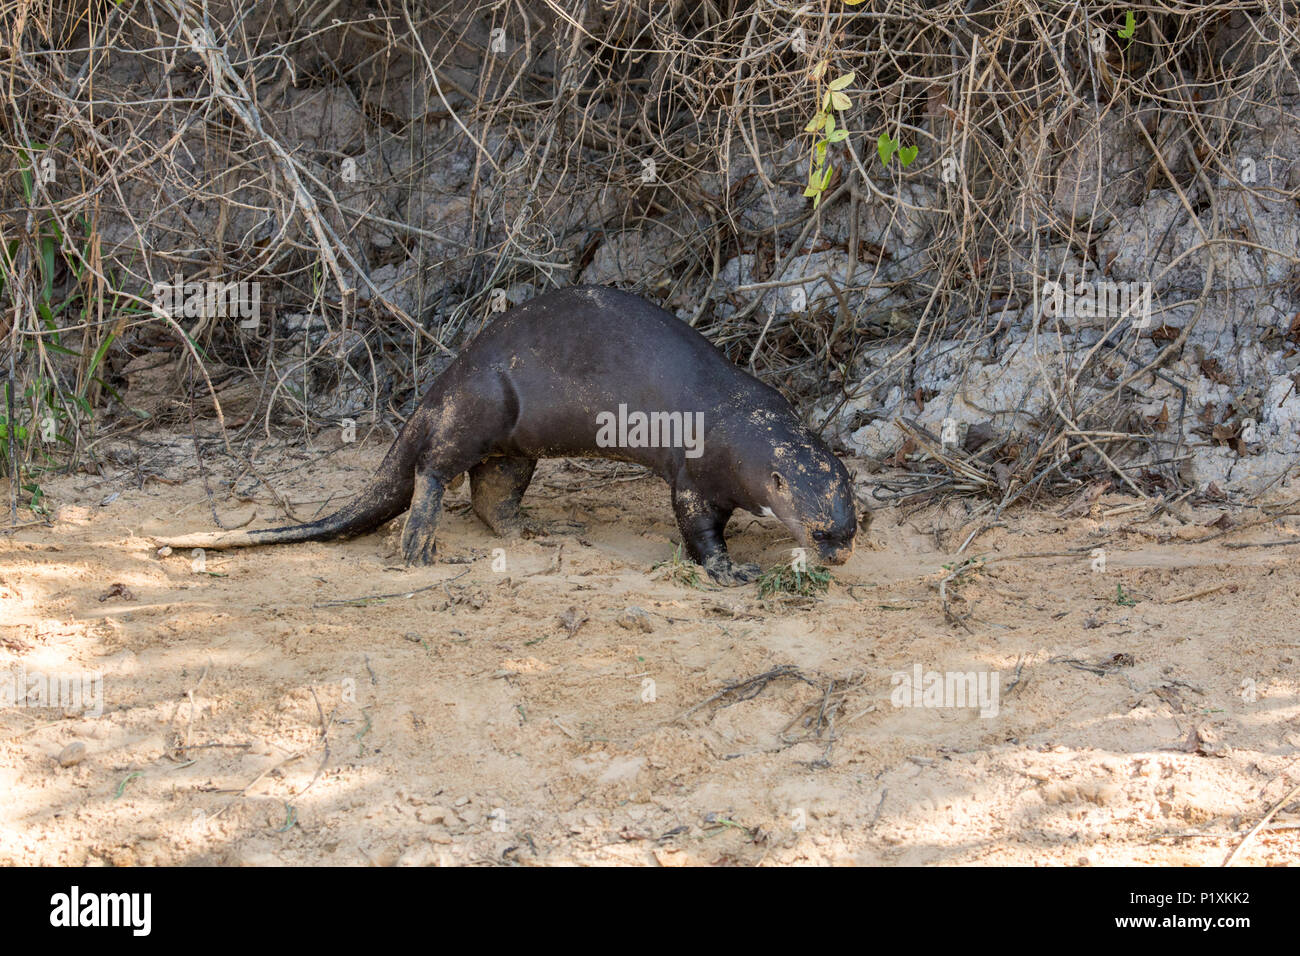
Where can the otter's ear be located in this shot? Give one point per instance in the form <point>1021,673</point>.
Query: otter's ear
<point>777,481</point>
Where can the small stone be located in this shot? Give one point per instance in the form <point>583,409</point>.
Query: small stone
<point>433,815</point>
<point>72,754</point>
<point>635,619</point>
<point>471,817</point>
<point>670,856</point>
<point>420,855</point>
<point>1108,794</point>
<point>164,551</point>
<point>385,856</point>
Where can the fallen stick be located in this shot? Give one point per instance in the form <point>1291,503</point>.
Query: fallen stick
<point>1262,544</point>
<point>1201,592</point>
<point>1293,792</point>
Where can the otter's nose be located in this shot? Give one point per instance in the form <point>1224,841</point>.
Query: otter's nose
<point>836,555</point>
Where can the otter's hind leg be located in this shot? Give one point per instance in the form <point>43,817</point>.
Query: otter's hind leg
<point>702,523</point>
<point>497,485</point>
<point>450,442</point>
<point>421,521</point>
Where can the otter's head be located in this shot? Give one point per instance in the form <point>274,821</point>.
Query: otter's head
<point>809,490</point>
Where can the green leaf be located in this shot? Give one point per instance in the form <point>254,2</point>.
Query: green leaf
<point>886,146</point>
<point>98,357</point>
<point>839,136</point>
<point>198,348</point>
<point>48,248</point>
<point>1130,26</point>
<point>840,101</point>
<point>816,123</point>
<point>109,389</point>
<point>52,346</point>
<point>840,82</point>
<point>907,154</point>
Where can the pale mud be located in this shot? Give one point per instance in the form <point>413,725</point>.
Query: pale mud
<point>505,716</point>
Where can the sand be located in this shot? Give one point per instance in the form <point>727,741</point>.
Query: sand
<point>515,706</point>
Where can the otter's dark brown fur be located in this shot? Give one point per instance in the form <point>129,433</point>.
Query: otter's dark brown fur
<point>547,380</point>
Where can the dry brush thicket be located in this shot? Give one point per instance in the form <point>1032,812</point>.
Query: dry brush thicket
<point>390,173</point>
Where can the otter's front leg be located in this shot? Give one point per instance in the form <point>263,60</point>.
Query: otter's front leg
<point>702,523</point>
<point>426,502</point>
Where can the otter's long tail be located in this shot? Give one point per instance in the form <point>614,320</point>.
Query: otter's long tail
<point>386,495</point>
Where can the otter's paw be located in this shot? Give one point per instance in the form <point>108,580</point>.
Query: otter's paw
<point>418,546</point>
<point>724,571</point>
